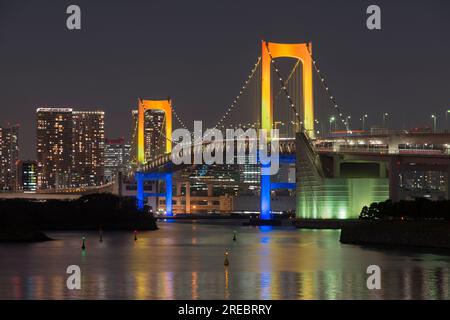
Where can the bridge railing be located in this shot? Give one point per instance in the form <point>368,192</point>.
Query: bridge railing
<point>287,146</point>
<point>382,150</point>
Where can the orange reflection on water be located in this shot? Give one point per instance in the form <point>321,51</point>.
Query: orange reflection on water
<point>142,285</point>
<point>194,285</point>
<point>58,286</point>
<point>227,280</point>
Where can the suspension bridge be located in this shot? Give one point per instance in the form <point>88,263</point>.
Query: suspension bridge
<point>266,100</point>
<point>290,110</point>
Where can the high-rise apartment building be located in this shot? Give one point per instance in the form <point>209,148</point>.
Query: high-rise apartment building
<point>88,148</point>
<point>154,141</point>
<point>9,155</point>
<point>70,147</point>
<point>117,158</point>
<point>27,175</point>
<point>54,147</point>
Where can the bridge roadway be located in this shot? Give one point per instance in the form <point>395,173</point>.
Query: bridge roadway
<point>288,148</point>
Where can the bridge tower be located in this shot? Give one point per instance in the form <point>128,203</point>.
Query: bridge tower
<point>166,106</point>
<point>144,105</point>
<point>299,51</point>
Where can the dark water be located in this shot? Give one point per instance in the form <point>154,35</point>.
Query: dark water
<point>185,261</point>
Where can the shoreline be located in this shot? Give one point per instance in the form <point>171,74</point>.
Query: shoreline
<point>31,235</point>
<point>24,220</point>
<point>407,234</point>
<point>324,223</point>
<point>23,236</point>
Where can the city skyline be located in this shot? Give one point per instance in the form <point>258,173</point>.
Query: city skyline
<point>357,71</point>
<point>252,150</point>
<point>72,150</point>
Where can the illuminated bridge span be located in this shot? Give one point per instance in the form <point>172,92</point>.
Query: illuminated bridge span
<point>296,107</point>
<point>318,161</point>
<point>322,146</point>
<point>286,151</point>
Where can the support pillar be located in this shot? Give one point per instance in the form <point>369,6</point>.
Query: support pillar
<point>188,197</point>
<point>169,195</point>
<point>265,192</point>
<point>140,190</point>
<point>394,179</point>
<point>178,187</point>
<point>210,190</point>
<point>336,167</point>
<point>382,172</point>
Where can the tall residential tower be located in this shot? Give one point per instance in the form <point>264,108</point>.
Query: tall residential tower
<point>88,148</point>
<point>54,147</point>
<point>9,155</point>
<point>70,147</point>
<point>117,158</point>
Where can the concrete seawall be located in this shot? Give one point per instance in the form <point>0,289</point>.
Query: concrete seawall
<point>398,233</point>
<point>324,223</point>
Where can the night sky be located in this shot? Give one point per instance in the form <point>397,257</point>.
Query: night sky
<point>200,52</point>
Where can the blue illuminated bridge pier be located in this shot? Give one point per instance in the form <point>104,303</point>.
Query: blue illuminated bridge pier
<point>162,168</point>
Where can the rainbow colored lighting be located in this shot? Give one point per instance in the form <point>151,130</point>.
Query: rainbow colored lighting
<point>302,52</point>
<point>164,105</point>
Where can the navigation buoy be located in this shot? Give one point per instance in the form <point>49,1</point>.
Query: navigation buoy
<point>101,235</point>
<point>135,235</point>
<point>83,246</point>
<point>226,262</point>
<point>234,236</point>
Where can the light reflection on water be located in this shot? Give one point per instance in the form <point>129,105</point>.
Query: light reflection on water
<point>185,261</point>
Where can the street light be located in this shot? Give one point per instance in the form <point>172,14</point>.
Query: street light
<point>385,115</point>
<point>348,123</point>
<point>433,116</point>
<point>332,119</point>
<point>363,119</point>
<point>320,124</point>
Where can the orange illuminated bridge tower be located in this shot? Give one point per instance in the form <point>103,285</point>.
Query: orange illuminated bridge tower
<point>299,51</point>
<point>144,105</point>
<point>140,176</point>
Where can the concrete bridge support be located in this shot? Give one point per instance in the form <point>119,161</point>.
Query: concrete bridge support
<point>394,179</point>
<point>187,196</point>
<point>141,177</point>
<point>265,193</point>
<point>267,186</point>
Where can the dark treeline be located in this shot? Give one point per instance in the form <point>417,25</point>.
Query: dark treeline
<point>95,211</point>
<point>419,209</point>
